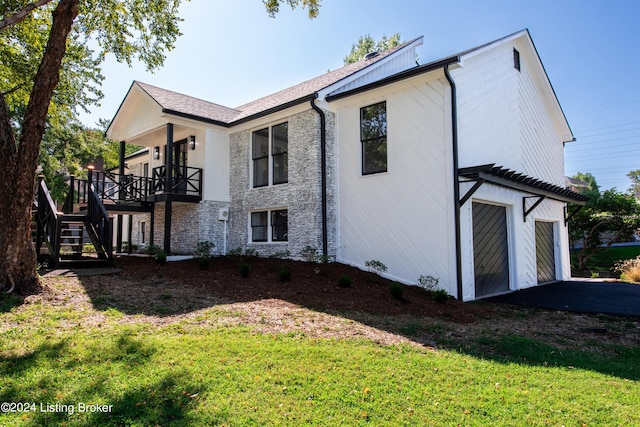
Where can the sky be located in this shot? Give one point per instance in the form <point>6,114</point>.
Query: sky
<point>231,53</point>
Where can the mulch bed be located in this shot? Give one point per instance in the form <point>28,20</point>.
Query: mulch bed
<point>311,285</point>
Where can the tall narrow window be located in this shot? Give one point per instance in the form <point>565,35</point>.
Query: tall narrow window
<point>279,226</point>
<point>516,59</point>
<point>279,153</point>
<point>259,228</point>
<point>260,150</point>
<point>373,135</point>
<point>143,232</point>
<point>269,153</point>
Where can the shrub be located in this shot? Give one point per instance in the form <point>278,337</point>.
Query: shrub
<point>204,262</point>
<point>284,274</point>
<point>152,250</point>
<point>375,266</point>
<point>345,281</point>
<point>280,255</point>
<point>245,269</point>
<point>629,269</point>
<point>203,249</point>
<point>235,252</point>
<point>309,253</point>
<point>429,283</point>
<point>397,289</point>
<point>440,296</point>
<point>250,252</point>
<point>161,257</point>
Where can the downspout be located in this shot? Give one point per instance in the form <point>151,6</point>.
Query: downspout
<point>323,173</point>
<point>456,179</point>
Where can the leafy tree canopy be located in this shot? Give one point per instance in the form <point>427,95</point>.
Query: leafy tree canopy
<point>366,44</point>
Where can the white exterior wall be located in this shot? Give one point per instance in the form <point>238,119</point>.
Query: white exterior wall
<point>404,217</point>
<point>511,118</point>
<point>520,237</point>
<point>505,115</point>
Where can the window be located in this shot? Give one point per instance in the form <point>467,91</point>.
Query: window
<point>279,225</point>
<point>373,135</point>
<point>269,226</point>
<point>143,232</point>
<point>516,59</point>
<point>270,147</point>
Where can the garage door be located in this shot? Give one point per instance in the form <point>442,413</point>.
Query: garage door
<point>490,249</point>
<point>545,253</point>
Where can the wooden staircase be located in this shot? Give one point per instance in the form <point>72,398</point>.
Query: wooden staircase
<point>75,239</point>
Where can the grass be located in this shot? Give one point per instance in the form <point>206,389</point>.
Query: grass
<point>606,260</point>
<point>198,371</point>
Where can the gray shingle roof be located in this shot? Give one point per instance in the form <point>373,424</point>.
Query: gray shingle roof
<point>188,106</point>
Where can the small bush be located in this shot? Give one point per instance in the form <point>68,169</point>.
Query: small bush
<point>250,252</point>
<point>284,274</point>
<point>234,252</point>
<point>204,262</point>
<point>280,255</point>
<point>152,250</point>
<point>245,269</point>
<point>397,289</point>
<point>309,253</point>
<point>375,266</point>
<point>161,257</point>
<point>440,296</point>
<point>345,281</point>
<point>203,249</point>
<point>428,283</point>
<point>629,269</point>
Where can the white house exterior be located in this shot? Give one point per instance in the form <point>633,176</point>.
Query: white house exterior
<point>452,169</point>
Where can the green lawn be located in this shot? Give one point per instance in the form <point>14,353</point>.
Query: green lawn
<point>606,260</point>
<point>199,371</point>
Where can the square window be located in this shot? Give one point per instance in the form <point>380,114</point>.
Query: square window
<point>373,136</point>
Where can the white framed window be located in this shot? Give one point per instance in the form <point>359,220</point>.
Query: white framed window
<point>373,137</point>
<point>270,155</point>
<point>269,226</point>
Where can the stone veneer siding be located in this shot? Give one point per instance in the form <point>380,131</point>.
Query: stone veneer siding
<point>191,223</point>
<point>301,195</point>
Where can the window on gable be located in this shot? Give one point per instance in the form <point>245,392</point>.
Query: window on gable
<point>516,59</point>
<point>269,153</point>
<point>270,226</point>
<point>373,136</point>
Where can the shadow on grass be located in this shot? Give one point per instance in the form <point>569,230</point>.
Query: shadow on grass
<point>54,378</point>
<point>173,289</point>
<point>9,301</point>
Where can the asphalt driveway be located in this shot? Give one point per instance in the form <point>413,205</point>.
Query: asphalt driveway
<point>579,296</point>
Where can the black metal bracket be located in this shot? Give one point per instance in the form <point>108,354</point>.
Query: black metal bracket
<point>472,190</point>
<point>525,211</point>
<point>568,215</point>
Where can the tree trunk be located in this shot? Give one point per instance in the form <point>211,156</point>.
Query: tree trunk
<point>18,162</point>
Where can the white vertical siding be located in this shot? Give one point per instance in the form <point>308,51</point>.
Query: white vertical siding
<point>404,217</point>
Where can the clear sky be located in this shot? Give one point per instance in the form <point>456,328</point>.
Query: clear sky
<point>231,52</point>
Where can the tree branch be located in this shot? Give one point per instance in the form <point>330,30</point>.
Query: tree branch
<point>20,15</point>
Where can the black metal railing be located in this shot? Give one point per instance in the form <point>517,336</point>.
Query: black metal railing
<point>47,220</point>
<point>183,180</point>
<point>100,224</point>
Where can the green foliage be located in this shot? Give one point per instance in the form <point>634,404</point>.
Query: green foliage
<point>152,249</point>
<point>273,6</point>
<point>366,44</point>
<point>429,283</point>
<point>203,249</point>
<point>629,269</point>
<point>244,269</point>
<point>284,274</point>
<point>634,176</point>
<point>345,281</point>
<point>309,253</point>
<point>375,266</point>
<point>440,296</point>
<point>606,218</point>
<point>204,262</point>
<point>161,257</point>
<point>396,289</point>
<point>249,252</point>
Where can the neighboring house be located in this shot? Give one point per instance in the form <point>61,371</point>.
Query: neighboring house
<point>452,169</point>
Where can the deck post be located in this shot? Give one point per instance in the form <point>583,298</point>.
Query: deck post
<point>121,194</point>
